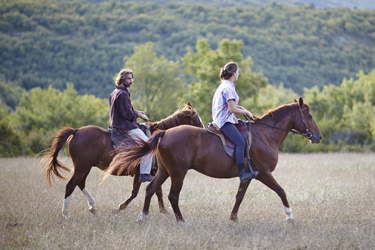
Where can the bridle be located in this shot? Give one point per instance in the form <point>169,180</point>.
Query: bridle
<point>308,134</point>
<point>192,122</point>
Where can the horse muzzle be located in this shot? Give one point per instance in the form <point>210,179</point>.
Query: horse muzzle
<point>314,138</point>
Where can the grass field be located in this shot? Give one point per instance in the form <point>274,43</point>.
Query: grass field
<point>332,197</point>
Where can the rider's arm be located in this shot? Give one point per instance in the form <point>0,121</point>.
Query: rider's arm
<point>141,114</point>
<point>238,109</point>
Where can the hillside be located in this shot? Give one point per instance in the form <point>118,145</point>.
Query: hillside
<point>361,4</point>
<point>52,42</point>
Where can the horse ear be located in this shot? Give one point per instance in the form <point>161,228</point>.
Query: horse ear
<point>295,100</point>
<point>300,101</point>
<point>189,104</point>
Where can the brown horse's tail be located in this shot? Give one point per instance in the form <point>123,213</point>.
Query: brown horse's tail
<point>49,161</point>
<point>127,159</point>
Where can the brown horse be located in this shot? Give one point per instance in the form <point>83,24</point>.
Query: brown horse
<point>180,149</point>
<point>91,146</point>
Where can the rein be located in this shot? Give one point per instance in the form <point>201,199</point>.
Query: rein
<point>308,134</point>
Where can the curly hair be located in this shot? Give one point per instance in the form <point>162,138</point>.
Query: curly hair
<point>122,75</point>
<point>228,70</point>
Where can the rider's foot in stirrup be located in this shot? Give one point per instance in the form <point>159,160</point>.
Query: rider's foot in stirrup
<point>145,177</point>
<point>254,174</point>
<point>245,176</point>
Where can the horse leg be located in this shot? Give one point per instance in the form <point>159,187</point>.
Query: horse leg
<point>268,180</point>
<point>73,182</point>
<point>174,195</point>
<point>90,199</point>
<point>239,197</point>
<point>155,184</point>
<point>135,191</point>
<point>136,186</point>
<point>159,194</point>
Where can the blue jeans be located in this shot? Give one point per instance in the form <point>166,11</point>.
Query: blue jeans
<point>230,130</point>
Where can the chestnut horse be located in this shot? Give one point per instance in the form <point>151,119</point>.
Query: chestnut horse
<point>182,148</point>
<point>91,146</point>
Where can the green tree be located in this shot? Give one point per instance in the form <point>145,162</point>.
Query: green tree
<point>268,98</point>
<point>346,113</point>
<point>158,82</point>
<point>203,68</point>
<point>10,143</point>
<point>10,94</point>
<point>41,112</point>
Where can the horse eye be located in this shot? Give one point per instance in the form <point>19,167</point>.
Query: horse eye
<point>309,116</point>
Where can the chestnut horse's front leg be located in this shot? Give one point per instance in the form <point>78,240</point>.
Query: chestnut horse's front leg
<point>135,191</point>
<point>268,180</point>
<point>239,197</point>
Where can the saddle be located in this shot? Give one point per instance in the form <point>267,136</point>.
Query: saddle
<point>118,138</point>
<point>244,127</point>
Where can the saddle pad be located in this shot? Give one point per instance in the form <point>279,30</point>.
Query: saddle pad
<point>228,145</point>
<point>117,138</point>
<point>241,126</point>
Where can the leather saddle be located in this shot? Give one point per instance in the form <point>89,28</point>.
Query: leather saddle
<point>245,130</point>
<point>118,138</point>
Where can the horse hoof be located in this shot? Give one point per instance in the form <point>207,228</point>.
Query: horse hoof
<point>115,210</point>
<point>66,216</point>
<point>183,224</point>
<point>142,217</point>
<point>92,210</point>
<point>290,221</point>
<point>233,218</point>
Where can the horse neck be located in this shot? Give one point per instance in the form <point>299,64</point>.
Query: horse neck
<point>286,123</point>
<point>170,122</point>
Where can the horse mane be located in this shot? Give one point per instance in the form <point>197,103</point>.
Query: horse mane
<point>175,119</point>
<point>279,113</point>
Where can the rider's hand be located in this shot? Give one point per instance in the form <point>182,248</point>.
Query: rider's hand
<point>250,115</point>
<point>142,115</point>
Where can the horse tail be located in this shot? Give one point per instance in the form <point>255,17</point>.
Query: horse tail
<point>127,159</point>
<point>49,161</point>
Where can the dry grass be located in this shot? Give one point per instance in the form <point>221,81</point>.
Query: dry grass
<point>332,197</point>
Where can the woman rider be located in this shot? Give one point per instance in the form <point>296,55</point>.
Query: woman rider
<point>224,108</point>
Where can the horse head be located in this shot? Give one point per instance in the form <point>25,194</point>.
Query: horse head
<point>306,124</point>
<point>184,115</point>
<point>194,115</point>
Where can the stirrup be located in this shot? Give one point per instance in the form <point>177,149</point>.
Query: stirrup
<point>252,171</point>
<point>245,176</point>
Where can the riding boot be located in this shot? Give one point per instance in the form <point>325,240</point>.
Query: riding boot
<point>145,177</point>
<point>243,174</point>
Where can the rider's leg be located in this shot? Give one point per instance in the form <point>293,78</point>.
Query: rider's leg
<point>234,135</point>
<point>146,161</point>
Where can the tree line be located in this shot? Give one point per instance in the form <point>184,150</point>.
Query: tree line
<point>344,113</point>
<point>49,42</point>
